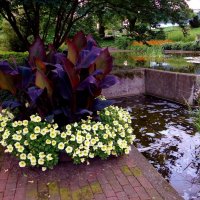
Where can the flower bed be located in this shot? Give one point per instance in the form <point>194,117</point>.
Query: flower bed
<point>38,143</point>
<point>64,88</point>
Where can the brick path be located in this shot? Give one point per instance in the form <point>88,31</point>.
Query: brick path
<point>122,178</point>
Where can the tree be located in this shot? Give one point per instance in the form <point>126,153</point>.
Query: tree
<point>57,17</point>
<point>45,16</point>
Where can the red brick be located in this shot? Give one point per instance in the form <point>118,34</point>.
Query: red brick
<point>102,179</point>
<point>20,194</point>
<point>116,186</point>
<point>4,175</point>
<point>8,198</point>
<point>122,179</point>
<point>144,182</point>
<point>1,195</point>
<point>133,181</point>
<point>130,191</point>
<point>2,185</point>
<point>22,182</point>
<point>9,192</point>
<point>108,191</point>
<point>141,193</point>
<point>153,194</point>
<point>122,196</point>
<point>11,186</point>
<point>112,198</point>
<point>99,196</point>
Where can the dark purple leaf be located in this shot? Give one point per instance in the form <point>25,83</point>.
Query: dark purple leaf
<point>91,80</point>
<point>89,58</point>
<point>26,77</point>
<point>7,69</point>
<point>104,61</point>
<point>101,104</point>
<point>108,81</point>
<point>34,93</point>
<point>90,43</point>
<point>61,82</point>
<point>84,112</point>
<point>80,40</point>
<point>12,104</point>
<point>37,50</point>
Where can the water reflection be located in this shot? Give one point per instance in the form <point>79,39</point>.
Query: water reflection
<point>166,137</point>
<point>165,62</point>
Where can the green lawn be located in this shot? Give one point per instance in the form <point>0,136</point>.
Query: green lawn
<point>176,34</point>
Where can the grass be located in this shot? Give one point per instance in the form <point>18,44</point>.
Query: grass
<point>175,34</point>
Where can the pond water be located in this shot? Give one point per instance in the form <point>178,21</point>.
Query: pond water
<point>166,136</point>
<point>162,62</point>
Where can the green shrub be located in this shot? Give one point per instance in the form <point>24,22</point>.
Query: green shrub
<point>188,46</point>
<point>123,42</point>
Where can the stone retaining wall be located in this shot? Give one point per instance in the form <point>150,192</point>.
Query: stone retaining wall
<point>131,82</point>
<point>173,86</point>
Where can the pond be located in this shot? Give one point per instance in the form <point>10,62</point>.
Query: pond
<point>163,62</point>
<point>166,136</point>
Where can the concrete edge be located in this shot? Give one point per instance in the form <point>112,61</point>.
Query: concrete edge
<point>162,186</point>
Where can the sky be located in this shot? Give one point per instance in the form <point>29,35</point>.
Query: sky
<point>194,4</point>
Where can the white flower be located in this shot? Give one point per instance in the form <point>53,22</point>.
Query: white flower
<point>53,142</point>
<point>48,141</point>
<point>61,146</point>
<point>69,149</point>
<point>20,149</point>
<point>68,127</point>
<point>49,157</point>
<point>100,144</point>
<point>73,138</point>
<point>104,148</point>
<point>52,134</point>
<point>9,148</point>
<point>107,113</point>
<point>91,155</point>
<point>37,129</point>
<point>22,164</point>
<point>41,161</point>
<point>88,136</point>
<point>129,130</point>
<point>29,156</point>
<point>25,122</point>
<point>25,131</point>
<point>87,143</point>
<point>95,127</point>
<point>33,136</point>
<point>63,135</point>
<point>42,155</point>
<point>17,145</point>
<point>38,119</point>
<point>44,169</point>
<point>105,136</point>
<point>23,156</point>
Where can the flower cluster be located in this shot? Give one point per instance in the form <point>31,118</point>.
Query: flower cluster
<point>37,143</point>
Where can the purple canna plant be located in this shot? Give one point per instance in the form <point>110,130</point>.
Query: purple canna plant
<point>59,86</point>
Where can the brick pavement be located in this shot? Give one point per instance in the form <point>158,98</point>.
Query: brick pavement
<point>120,178</point>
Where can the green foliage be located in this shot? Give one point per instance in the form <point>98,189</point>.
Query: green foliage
<point>195,22</point>
<point>38,143</point>
<point>175,34</point>
<point>187,46</point>
<point>12,41</point>
<point>123,42</point>
<point>12,56</point>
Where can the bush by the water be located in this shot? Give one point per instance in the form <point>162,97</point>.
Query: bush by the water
<point>188,46</point>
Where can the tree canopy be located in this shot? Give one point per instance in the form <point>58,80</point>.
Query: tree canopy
<point>57,17</point>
